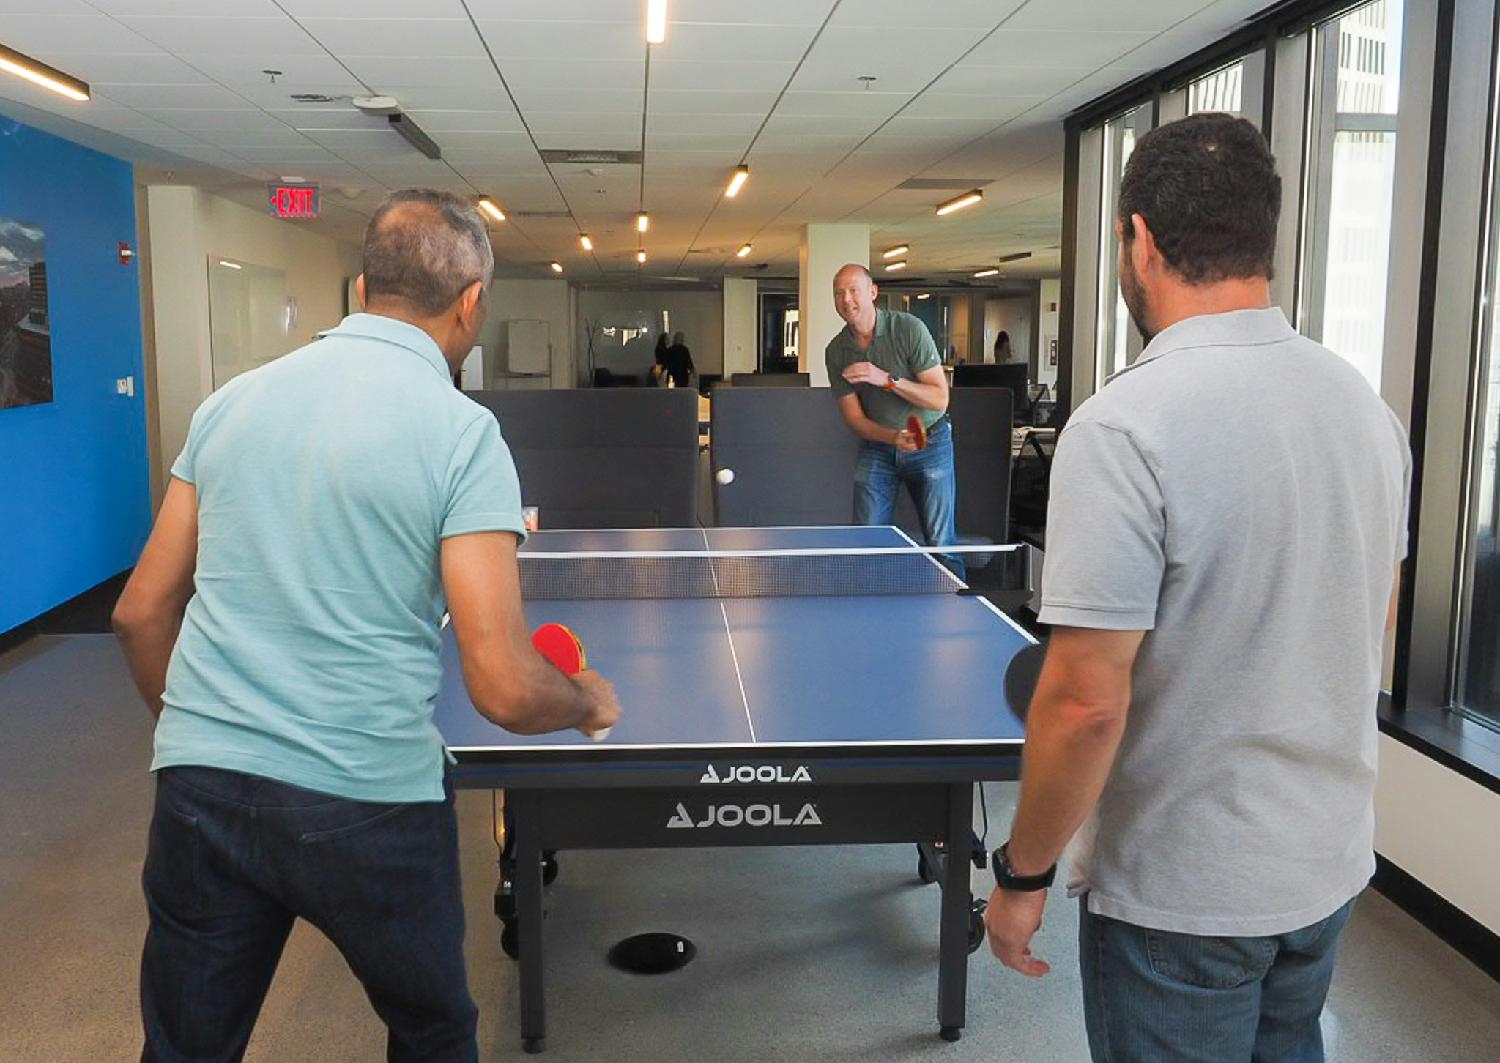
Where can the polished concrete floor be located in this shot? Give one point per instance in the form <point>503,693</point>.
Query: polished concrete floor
<point>804,954</point>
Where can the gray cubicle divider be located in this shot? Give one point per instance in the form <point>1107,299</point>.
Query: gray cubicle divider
<point>612,458</point>
<point>793,460</point>
<point>770,380</point>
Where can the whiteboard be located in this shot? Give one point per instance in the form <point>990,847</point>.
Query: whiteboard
<point>528,346</point>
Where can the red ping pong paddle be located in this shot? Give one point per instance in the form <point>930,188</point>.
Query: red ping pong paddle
<point>558,644</point>
<point>564,650</point>
<point>917,430</point>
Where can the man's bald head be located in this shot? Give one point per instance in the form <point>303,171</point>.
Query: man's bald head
<point>425,248</point>
<point>850,272</point>
<point>854,292</point>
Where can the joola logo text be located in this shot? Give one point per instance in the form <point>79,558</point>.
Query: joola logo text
<point>741,773</point>
<point>745,816</point>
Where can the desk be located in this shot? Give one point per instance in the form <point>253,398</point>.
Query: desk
<point>757,720</point>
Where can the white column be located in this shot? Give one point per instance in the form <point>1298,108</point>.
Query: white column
<point>739,325</point>
<point>825,247</point>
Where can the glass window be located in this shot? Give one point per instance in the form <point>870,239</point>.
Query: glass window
<point>1351,170</point>
<point>1477,689</point>
<point>1117,341</point>
<point>1219,91</point>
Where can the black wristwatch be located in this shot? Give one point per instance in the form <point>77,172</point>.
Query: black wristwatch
<point>1007,879</point>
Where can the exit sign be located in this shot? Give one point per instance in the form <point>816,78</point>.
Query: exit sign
<point>293,201</point>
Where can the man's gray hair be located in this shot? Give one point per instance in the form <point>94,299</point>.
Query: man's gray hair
<point>424,248</point>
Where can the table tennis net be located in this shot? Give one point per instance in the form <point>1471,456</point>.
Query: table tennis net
<point>749,573</point>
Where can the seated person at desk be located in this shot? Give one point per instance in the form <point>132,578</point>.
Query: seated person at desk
<point>884,368</point>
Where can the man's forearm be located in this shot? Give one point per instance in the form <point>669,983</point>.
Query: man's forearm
<point>148,651</point>
<point>927,396</point>
<point>1068,757</point>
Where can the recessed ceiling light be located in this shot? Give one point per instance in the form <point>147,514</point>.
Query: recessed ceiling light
<point>656,21</point>
<point>640,256</point>
<point>557,267</point>
<point>893,252</point>
<point>293,179</point>
<point>968,199</point>
<point>925,295</point>
<point>490,207</point>
<point>583,238</point>
<point>741,175</point>
<point>743,251</point>
<point>642,222</point>
<point>892,267</point>
<point>987,272</point>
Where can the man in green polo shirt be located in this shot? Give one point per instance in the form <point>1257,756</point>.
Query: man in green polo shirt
<point>883,369</point>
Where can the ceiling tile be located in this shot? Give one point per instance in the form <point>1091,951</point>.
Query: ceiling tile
<point>740,12</point>
<point>996,109</point>
<point>270,37</point>
<point>973,79</point>
<point>704,42</point>
<point>347,37</point>
<point>670,74</point>
<point>38,35</point>
<point>579,101</point>
<point>710,101</point>
<point>236,69</point>
<point>192,120</point>
<point>354,9</point>
<point>467,121</point>
<point>862,103</point>
<point>902,14</point>
<point>150,8</point>
<point>615,75</point>
<point>1092,15</point>
<point>392,73</point>
<point>200,97</point>
<point>1074,48</point>
<point>155,68</point>
<point>565,40</point>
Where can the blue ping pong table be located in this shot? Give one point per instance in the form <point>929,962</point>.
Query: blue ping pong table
<point>797,720</point>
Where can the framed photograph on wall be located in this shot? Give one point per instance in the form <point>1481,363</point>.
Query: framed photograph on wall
<point>25,329</point>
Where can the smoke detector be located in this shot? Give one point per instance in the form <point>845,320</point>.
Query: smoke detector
<point>376,104</point>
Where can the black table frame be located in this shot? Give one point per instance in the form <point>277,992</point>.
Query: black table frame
<point>597,798</point>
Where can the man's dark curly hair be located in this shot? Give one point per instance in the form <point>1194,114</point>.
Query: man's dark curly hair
<point>1208,189</point>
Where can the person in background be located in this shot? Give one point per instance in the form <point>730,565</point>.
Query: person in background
<point>1205,716</point>
<point>1002,348</point>
<point>282,626</point>
<point>658,371</point>
<point>679,362</point>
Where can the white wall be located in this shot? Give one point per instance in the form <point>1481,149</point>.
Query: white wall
<point>187,226</point>
<point>533,300</point>
<point>1440,828</point>
<point>740,325</point>
<point>698,315</point>
<point>1012,314</point>
<point>824,249</point>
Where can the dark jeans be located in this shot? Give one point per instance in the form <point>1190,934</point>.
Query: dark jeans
<point>234,859</point>
<point>1150,996</point>
<point>927,474</point>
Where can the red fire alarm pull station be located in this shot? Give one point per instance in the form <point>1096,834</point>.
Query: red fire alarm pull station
<point>126,254</point>
<point>293,201</point>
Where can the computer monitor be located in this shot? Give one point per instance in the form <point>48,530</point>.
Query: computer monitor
<point>990,375</point>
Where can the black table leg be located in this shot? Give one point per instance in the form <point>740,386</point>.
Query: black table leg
<point>528,893</point>
<point>953,956</point>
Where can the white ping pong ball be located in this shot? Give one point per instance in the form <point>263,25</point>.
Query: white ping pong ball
<point>725,476</point>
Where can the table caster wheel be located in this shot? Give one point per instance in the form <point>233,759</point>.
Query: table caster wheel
<point>534,1045</point>
<point>951,1033</point>
<point>510,941</point>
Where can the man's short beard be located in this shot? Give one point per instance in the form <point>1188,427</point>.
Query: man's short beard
<point>1134,294</point>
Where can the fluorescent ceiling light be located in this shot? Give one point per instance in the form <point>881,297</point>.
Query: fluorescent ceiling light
<point>892,267</point>
<point>892,252</point>
<point>737,182</point>
<point>557,267</point>
<point>583,238</point>
<point>490,207</point>
<point>230,265</point>
<point>640,256</point>
<point>987,272</point>
<point>925,295</point>
<point>39,73</point>
<point>642,222</point>
<point>743,251</point>
<point>968,199</point>
<point>656,21</point>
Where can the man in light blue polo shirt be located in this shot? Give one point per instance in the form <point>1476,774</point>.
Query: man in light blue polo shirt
<point>283,624</point>
<point>1226,519</point>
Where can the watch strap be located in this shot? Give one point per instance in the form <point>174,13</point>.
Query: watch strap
<point>1007,878</point>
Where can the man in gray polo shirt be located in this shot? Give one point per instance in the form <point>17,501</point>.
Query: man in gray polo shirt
<point>1226,518</point>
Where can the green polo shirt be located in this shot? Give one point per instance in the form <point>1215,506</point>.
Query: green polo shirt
<point>902,347</point>
<point>326,482</point>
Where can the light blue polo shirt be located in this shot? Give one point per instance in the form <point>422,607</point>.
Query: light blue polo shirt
<point>326,482</point>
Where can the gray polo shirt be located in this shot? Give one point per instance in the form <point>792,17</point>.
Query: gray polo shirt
<point>902,347</point>
<point>1240,495</point>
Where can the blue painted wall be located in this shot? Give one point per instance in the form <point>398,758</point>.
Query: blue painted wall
<point>75,498</point>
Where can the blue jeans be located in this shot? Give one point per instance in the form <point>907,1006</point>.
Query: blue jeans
<point>1150,996</point>
<point>234,859</point>
<point>927,474</point>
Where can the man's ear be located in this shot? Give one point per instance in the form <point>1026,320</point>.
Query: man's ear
<point>359,290</point>
<point>470,302</point>
<point>1144,254</point>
